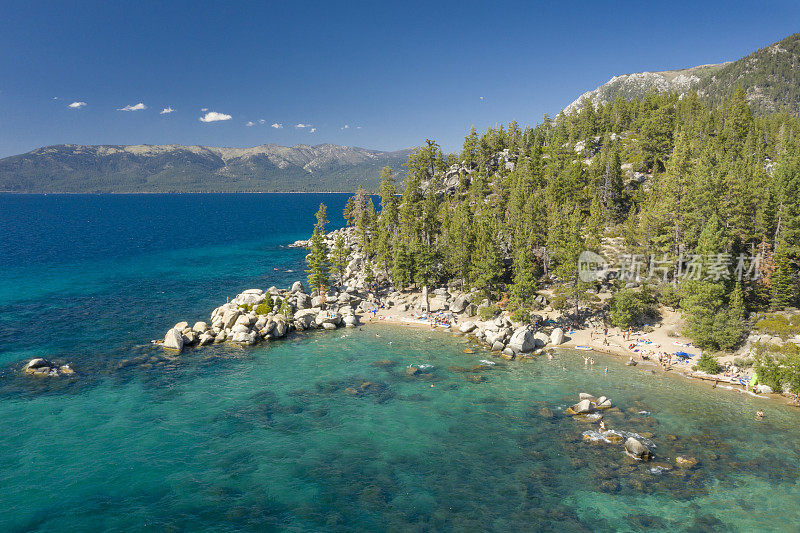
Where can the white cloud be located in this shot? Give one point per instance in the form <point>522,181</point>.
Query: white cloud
<point>277,125</point>
<point>301,126</point>
<point>481,97</point>
<point>55,98</point>
<point>77,105</point>
<point>136,107</point>
<point>203,110</point>
<point>250,123</point>
<point>262,121</point>
<point>166,111</point>
<point>312,130</point>
<point>346,127</point>
<point>358,127</point>
<point>213,116</point>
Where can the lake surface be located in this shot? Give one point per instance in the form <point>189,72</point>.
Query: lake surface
<point>323,431</point>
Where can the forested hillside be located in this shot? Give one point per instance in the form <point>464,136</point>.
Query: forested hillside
<point>705,199</point>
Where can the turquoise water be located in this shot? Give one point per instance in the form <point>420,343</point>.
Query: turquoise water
<point>324,431</point>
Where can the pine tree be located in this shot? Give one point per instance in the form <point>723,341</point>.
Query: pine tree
<point>783,281</point>
<point>487,266</point>
<point>339,257</point>
<point>317,260</point>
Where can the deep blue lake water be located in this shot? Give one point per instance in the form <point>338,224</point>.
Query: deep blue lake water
<point>267,438</point>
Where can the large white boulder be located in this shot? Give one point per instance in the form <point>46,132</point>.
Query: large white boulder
<point>244,320</point>
<point>541,339</point>
<point>303,301</point>
<point>306,318</point>
<point>242,337</point>
<point>230,317</point>
<point>200,327</point>
<point>327,317</point>
<point>523,339</point>
<point>466,327</point>
<point>298,287</point>
<point>460,303</point>
<point>173,340</point>
<point>557,336</point>
<point>249,297</point>
<point>281,328</point>
<point>240,328</point>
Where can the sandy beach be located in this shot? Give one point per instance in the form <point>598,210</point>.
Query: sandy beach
<point>638,347</point>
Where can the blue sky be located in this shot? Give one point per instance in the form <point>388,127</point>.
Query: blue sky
<point>374,74</point>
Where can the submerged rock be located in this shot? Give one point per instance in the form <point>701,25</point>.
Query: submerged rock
<point>637,450</point>
<point>686,462</point>
<point>38,367</point>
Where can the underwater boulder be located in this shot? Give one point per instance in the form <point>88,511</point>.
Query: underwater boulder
<point>637,450</point>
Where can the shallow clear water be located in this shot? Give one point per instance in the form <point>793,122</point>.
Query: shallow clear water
<point>288,436</point>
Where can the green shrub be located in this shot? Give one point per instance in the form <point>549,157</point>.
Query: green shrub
<point>521,315</point>
<point>627,306</point>
<point>708,364</point>
<point>488,312</point>
<point>778,325</point>
<point>743,362</point>
<point>669,296</point>
<point>245,307</point>
<point>559,301</point>
<point>286,309</point>
<point>648,329</point>
<point>263,309</point>
<point>772,372</point>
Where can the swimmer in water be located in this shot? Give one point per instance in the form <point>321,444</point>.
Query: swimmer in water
<point>760,415</point>
<point>606,371</point>
<point>591,360</point>
<point>602,425</point>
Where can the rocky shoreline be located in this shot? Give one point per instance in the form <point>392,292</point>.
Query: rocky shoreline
<point>256,315</point>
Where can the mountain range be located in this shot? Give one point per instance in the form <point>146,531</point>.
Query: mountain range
<point>69,168</point>
<point>770,78</point>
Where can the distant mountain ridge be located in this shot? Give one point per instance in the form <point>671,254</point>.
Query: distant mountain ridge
<point>770,78</point>
<point>70,168</point>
